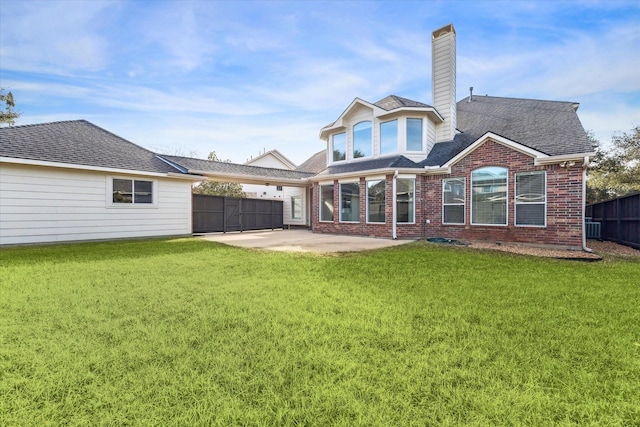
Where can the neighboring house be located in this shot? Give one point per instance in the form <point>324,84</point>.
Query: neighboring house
<point>70,181</point>
<point>484,168</point>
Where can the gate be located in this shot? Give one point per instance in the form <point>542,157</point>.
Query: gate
<point>223,214</point>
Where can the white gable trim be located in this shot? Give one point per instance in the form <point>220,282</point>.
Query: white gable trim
<point>498,139</point>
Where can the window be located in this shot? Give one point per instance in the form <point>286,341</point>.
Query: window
<point>376,201</point>
<point>414,134</point>
<point>405,207</point>
<point>296,207</point>
<point>489,196</point>
<point>339,146</point>
<point>326,202</point>
<point>132,191</point>
<point>453,200</point>
<point>389,137</point>
<point>350,202</point>
<point>362,139</point>
<point>278,187</point>
<point>531,199</point>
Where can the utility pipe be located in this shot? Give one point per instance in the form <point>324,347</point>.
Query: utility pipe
<point>585,164</point>
<point>394,221</point>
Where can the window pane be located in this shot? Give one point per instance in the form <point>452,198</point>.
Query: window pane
<point>489,196</point>
<point>389,137</point>
<point>143,192</point>
<point>531,198</point>
<point>453,200</point>
<point>530,214</point>
<point>326,203</point>
<point>362,140</point>
<point>122,191</point>
<point>375,201</point>
<point>405,189</point>
<point>454,214</point>
<point>339,146</point>
<point>414,134</point>
<point>296,207</point>
<point>350,202</point>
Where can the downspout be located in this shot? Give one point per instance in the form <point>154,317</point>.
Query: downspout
<point>394,221</point>
<point>584,204</point>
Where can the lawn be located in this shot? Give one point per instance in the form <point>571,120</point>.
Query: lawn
<point>188,332</point>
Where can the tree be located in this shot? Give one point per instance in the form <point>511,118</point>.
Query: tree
<point>213,188</point>
<point>9,115</point>
<point>615,172</point>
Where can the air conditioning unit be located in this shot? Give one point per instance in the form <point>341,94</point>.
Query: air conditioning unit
<point>592,230</point>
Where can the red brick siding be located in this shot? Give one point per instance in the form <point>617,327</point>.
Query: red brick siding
<point>564,204</point>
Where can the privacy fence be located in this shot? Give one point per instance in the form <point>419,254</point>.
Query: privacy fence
<point>223,214</point>
<point>619,219</point>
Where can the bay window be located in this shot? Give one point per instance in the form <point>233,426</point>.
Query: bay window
<point>389,137</point>
<point>376,201</point>
<point>414,134</point>
<point>362,139</point>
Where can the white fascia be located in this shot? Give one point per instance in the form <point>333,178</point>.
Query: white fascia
<point>365,173</point>
<point>338,125</point>
<point>247,179</point>
<point>582,158</point>
<point>28,162</point>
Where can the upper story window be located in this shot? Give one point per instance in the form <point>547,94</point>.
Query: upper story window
<point>489,196</point>
<point>414,134</point>
<point>389,137</point>
<point>362,139</point>
<point>132,191</point>
<point>339,146</point>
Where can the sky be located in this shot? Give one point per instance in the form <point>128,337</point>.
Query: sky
<point>242,77</point>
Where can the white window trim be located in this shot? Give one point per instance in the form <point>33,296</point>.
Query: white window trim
<point>353,141</point>
<point>326,221</point>
<point>397,149</point>
<point>366,183</point>
<point>346,149</point>
<point>395,200</point>
<point>406,140</point>
<point>515,198</point>
<point>463,204</point>
<point>293,206</point>
<point>506,223</point>
<point>154,194</point>
<point>340,202</point>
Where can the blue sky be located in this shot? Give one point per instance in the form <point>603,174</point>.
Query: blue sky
<point>190,77</point>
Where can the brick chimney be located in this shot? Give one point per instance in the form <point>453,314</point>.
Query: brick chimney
<point>443,79</point>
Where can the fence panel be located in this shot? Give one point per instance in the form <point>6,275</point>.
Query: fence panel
<point>619,219</point>
<point>223,214</point>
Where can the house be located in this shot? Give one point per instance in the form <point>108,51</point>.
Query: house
<point>483,168</point>
<point>70,181</point>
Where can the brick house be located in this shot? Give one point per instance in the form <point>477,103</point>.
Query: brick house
<point>483,168</point>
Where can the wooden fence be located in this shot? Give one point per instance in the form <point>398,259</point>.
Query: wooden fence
<point>619,219</point>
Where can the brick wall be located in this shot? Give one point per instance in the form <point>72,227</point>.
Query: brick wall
<point>564,204</point>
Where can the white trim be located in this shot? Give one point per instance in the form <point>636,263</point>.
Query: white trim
<point>340,184</point>
<point>333,212</point>
<point>506,223</point>
<point>356,174</point>
<point>395,198</point>
<point>463,204</point>
<point>580,159</point>
<point>133,205</point>
<point>61,165</point>
<point>366,195</point>
<point>516,203</point>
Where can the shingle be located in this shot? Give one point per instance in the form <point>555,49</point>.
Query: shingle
<point>193,164</point>
<point>392,102</point>
<point>314,164</point>
<point>78,142</point>
<point>394,162</point>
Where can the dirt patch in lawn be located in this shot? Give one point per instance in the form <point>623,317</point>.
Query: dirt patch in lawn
<point>600,249</point>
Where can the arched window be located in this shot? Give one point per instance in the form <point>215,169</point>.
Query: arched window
<point>489,196</point>
<point>362,139</point>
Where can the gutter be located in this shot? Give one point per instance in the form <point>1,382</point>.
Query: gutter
<point>585,163</point>
<point>394,220</point>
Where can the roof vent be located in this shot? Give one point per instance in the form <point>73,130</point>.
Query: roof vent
<point>470,94</point>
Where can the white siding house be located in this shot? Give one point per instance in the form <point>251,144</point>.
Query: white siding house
<point>45,199</point>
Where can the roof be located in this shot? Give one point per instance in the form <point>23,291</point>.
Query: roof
<point>393,102</point>
<point>275,154</point>
<point>389,162</point>
<point>78,142</point>
<point>550,127</point>
<point>314,164</point>
<point>201,166</point>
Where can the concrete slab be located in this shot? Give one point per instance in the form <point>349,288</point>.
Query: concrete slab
<point>300,241</point>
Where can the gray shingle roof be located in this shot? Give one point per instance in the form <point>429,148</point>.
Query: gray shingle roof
<point>393,162</point>
<point>192,165</point>
<point>78,142</point>
<point>392,102</point>
<point>314,164</point>
<point>551,127</point>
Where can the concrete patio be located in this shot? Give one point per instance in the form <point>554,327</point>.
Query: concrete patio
<point>300,241</point>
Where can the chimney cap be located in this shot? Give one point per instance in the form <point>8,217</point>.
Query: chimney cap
<point>442,31</point>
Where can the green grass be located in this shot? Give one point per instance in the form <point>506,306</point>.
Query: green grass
<point>188,332</point>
